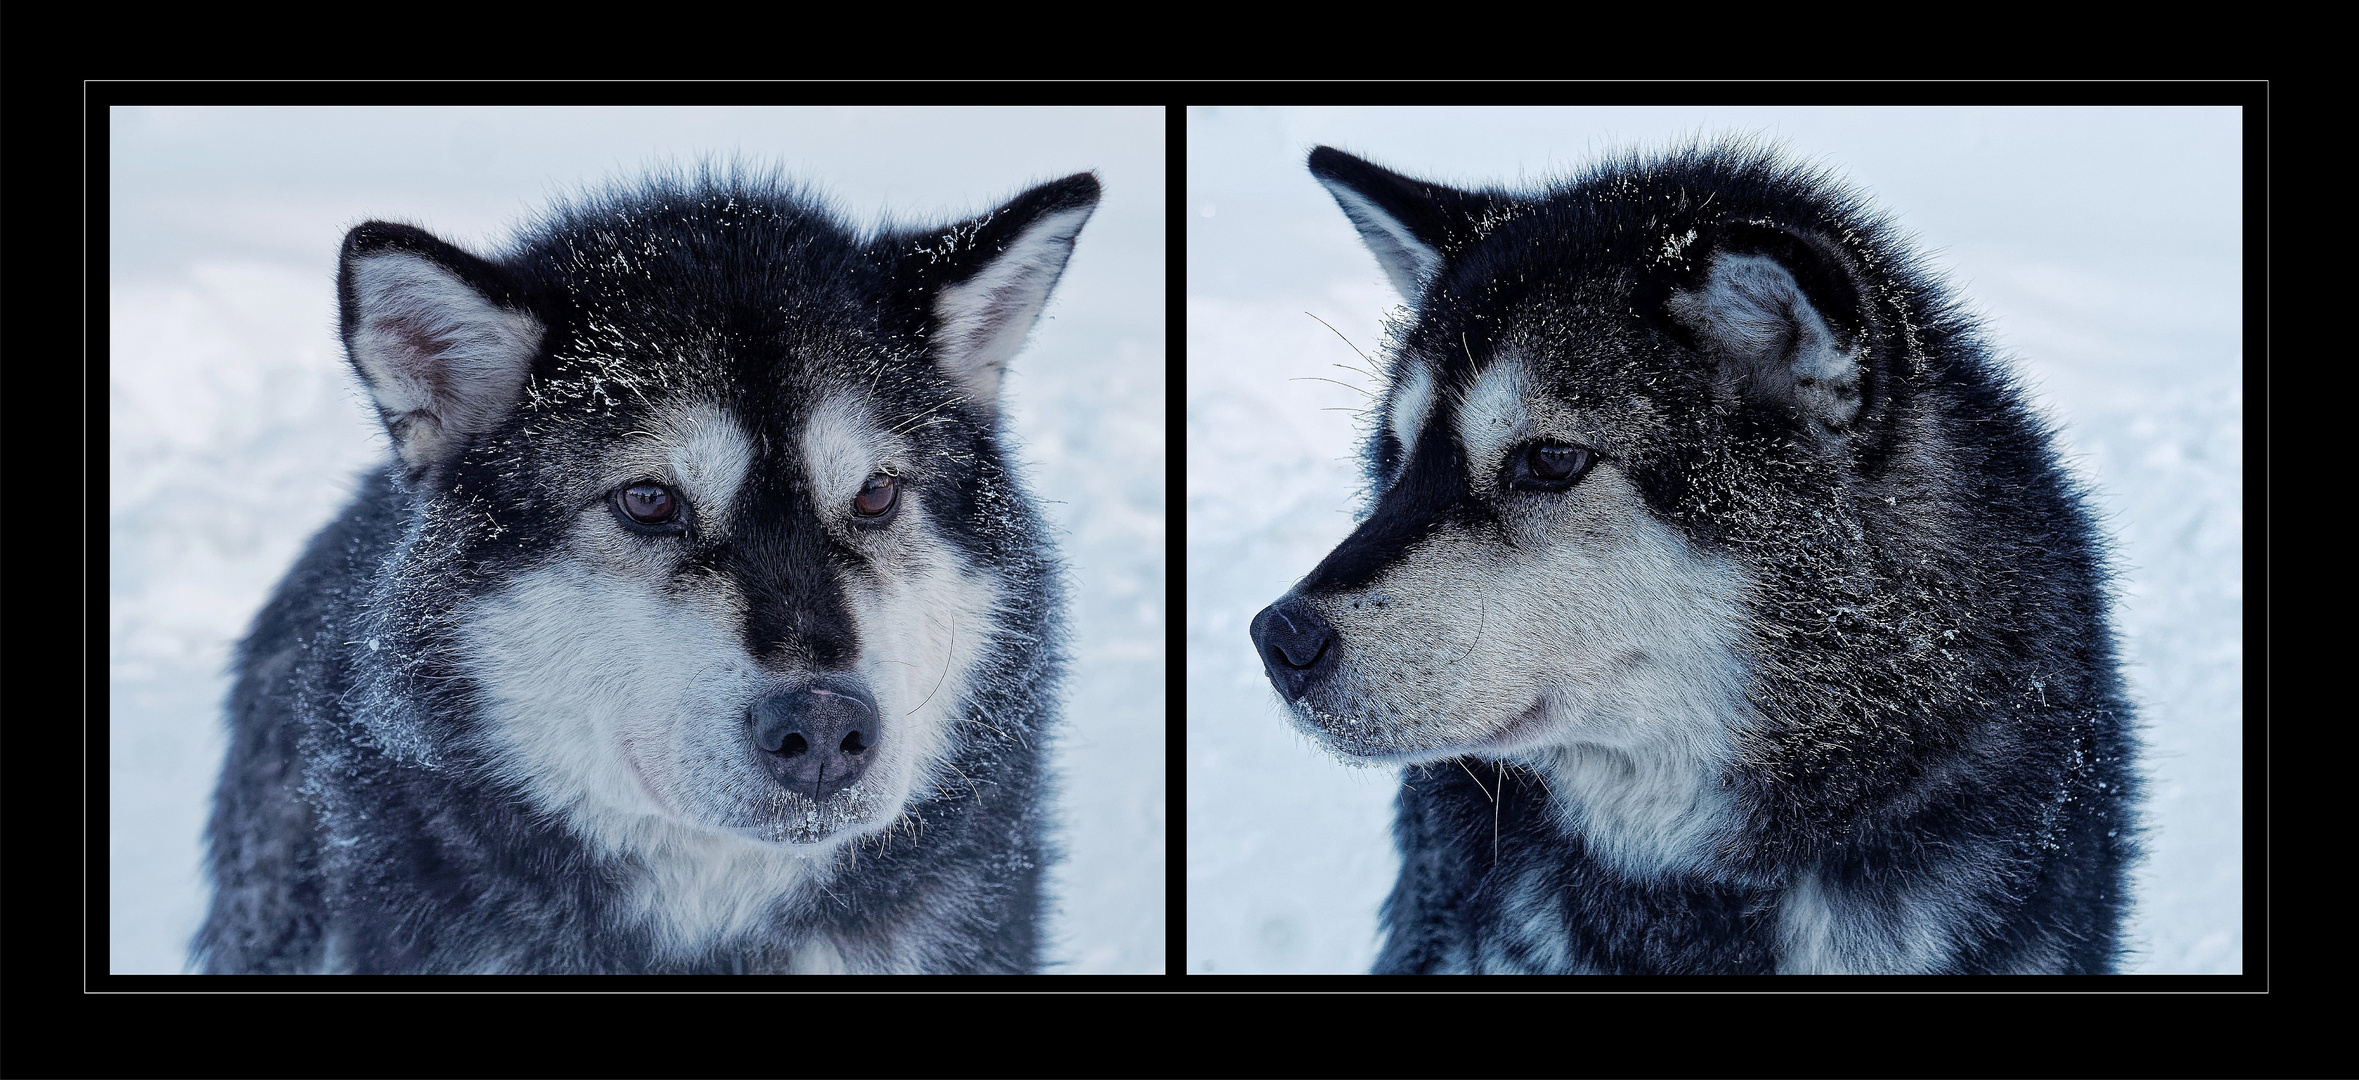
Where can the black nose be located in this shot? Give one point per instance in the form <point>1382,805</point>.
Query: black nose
<point>1297,647</point>
<point>818,737</point>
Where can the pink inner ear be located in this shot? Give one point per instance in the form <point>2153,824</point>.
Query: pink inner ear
<point>420,350</point>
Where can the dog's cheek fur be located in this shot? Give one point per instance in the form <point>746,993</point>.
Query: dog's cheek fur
<point>1591,569</point>
<point>923,625</point>
<point>1622,635</point>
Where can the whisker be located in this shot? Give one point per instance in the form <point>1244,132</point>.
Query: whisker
<point>1338,382</point>
<point>1478,783</point>
<point>946,655</point>
<point>971,788</point>
<point>1498,780</point>
<point>1501,780</point>
<point>911,423</point>
<point>1346,341</point>
<point>1482,620</point>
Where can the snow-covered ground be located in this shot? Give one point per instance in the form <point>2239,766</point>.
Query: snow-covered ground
<point>2103,246</point>
<point>235,429</point>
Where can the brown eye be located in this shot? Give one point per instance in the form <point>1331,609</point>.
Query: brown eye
<point>876,496</point>
<point>1558,462</point>
<point>1550,466</point>
<point>648,504</point>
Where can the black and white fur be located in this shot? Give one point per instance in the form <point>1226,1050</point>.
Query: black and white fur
<point>612,668</point>
<point>1720,596</point>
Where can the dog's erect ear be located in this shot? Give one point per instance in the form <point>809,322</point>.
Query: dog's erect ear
<point>1413,227</point>
<point>981,284</point>
<point>1781,313</point>
<point>439,336</point>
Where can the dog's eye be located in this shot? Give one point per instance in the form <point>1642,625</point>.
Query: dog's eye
<point>876,497</point>
<point>648,504</point>
<point>1549,466</point>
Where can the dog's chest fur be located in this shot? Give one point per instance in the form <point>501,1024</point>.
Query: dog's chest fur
<point>1496,881</point>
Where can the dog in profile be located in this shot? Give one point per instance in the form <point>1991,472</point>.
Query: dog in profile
<point>698,622</point>
<point>1720,596</point>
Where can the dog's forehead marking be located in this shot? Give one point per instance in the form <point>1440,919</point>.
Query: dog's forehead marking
<point>841,446</point>
<point>711,455</point>
<point>1493,413</point>
<point>1412,403</point>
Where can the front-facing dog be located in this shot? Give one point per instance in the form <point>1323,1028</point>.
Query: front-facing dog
<point>698,624</point>
<point>1720,596</point>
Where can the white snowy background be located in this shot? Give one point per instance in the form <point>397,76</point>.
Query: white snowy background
<point>2103,247</point>
<point>235,429</point>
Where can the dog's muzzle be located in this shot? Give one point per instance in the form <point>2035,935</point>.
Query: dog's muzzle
<point>1297,647</point>
<point>819,737</point>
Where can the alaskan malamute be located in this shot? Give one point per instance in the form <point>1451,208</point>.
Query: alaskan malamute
<point>699,622</point>
<point>1720,596</point>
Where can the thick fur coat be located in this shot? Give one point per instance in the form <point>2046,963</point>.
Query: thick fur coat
<point>1720,595</point>
<point>689,472</point>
